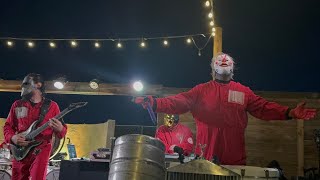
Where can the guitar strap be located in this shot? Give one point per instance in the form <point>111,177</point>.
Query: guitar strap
<point>44,109</point>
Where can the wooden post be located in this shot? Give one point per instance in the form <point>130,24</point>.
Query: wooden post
<point>217,43</point>
<point>111,124</point>
<point>300,147</point>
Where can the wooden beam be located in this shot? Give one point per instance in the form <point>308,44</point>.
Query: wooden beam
<point>82,88</point>
<point>217,43</point>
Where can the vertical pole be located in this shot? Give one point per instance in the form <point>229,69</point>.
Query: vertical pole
<point>111,125</point>
<point>217,42</point>
<point>300,147</point>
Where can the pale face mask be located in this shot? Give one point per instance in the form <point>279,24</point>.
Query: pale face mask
<point>27,86</point>
<point>223,65</point>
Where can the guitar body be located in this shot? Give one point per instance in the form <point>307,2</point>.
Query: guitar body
<point>20,152</point>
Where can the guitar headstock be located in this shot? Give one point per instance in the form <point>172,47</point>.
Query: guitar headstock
<point>77,105</point>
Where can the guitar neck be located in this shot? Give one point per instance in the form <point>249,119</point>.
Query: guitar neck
<point>37,131</point>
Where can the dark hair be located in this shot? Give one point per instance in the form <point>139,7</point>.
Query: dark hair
<point>37,78</point>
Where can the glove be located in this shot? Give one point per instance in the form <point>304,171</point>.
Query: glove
<point>300,112</point>
<point>178,150</point>
<point>144,100</point>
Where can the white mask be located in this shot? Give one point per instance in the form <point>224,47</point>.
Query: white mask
<point>223,64</point>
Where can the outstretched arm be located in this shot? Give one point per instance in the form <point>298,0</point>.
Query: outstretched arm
<point>265,110</point>
<point>177,104</point>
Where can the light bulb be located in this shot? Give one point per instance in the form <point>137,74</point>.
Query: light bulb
<point>207,3</point>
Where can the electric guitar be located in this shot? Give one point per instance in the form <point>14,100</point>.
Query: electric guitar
<point>20,152</point>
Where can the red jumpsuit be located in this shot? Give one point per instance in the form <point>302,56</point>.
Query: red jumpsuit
<point>22,114</point>
<point>220,111</point>
<point>180,135</point>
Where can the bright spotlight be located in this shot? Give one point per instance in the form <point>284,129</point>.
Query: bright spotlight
<point>58,85</point>
<point>138,86</point>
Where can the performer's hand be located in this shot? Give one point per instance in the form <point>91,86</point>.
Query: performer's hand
<point>56,125</point>
<point>178,150</point>
<point>300,112</point>
<point>143,100</point>
<point>19,140</point>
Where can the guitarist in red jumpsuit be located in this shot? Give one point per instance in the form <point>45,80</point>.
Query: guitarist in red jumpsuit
<point>220,109</point>
<point>22,114</point>
<point>176,137</point>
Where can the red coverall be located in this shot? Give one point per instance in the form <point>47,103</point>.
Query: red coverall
<point>180,135</point>
<point>220,112</point>
<point>22,114</point>
<point>3,144</point>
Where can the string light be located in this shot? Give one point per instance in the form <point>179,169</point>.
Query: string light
<point>97,42</point>
<point>10,43</point>
<point>30,44</point>
<point>207,3</point>
<point>97,45</point>
<point>165,43</point>
<point>143,44</point>
<point>189,41</point>
<point>74,44</point>
<point>119,45</point>
<point>52,44</point>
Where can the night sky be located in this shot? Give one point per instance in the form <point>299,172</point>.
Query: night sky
<point>274,43</point>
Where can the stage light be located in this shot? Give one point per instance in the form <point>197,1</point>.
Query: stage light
<point>210,15</point>
<point>52,44</point>
<point>213,34</point>
<point>138,86</point>
<point>213,29</point>
<point>9,43</point>
<point>59,83</point>
<point>94,84</point>
<point>30,44</point>
<point>211,23</point>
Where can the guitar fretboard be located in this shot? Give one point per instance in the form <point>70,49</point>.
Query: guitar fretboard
<point>37,131</point>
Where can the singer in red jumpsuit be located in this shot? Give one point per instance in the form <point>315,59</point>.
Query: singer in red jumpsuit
<point>220,108</point>
<point>175,135</point>
<point>22,114</point>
